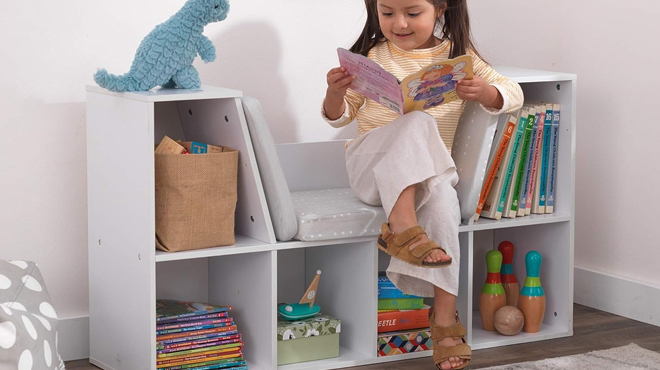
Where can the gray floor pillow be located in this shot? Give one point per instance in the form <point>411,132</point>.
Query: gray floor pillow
<point>28,322</point>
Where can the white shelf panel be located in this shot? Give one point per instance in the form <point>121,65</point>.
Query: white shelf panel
<point>482,339</point>
<point>295,244</point>
<point>488,224</point>
<point>522,75</point>
<point>253,366</point>
<point>243,245</point>
<point>160,95</point>
<point>347,358</point>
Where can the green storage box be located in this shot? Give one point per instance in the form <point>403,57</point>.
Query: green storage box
<point>311,339</point>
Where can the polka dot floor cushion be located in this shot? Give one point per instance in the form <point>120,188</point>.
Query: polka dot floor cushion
<point>335,214</point>
<point>28,322</point>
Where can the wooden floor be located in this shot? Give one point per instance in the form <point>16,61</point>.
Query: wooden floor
<point>592,330</point>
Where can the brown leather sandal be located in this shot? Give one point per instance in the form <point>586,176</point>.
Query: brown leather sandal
<point>396,245</point>
<point>442,353</point>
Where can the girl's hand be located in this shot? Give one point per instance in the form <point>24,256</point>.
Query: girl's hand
<point>338,82</point>
<point>478,90</point>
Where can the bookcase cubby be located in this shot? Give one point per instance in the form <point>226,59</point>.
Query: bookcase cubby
<point>127,274</point>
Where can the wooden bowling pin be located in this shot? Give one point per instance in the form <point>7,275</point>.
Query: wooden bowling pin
<point>509,281</point>
<point>532,296</point>
<point>492,296</point>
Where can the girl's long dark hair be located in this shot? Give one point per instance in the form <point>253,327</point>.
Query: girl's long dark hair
<point>456,28</point>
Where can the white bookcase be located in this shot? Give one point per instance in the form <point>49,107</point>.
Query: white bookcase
<point>127,274</point>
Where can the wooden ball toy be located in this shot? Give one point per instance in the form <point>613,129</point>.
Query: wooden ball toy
<point>509,320</point>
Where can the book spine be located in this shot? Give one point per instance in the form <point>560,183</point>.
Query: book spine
<point>393,293</point>
<point>532,194</point>
<point>191,334</point>
<point>403,320</point>
<point>528,167</point>
<point>512,164</point>
<point>194,328</point>
<point>190,315</point>
<point>198,358</point>
<point>218,349</point>
<point>493,197</point>
<point>213,316</point>
<point>401,304</point>
<point>495,166</point>
<point>550,201</point>
<point>524,149</point>
<point>233,364</point>
<point>190,338</point>
<point>192,323</point>
<point>543,184</point>
<point>197,344</point>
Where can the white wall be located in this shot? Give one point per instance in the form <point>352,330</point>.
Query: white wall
<point>279,52</point>
<point>612,46</point>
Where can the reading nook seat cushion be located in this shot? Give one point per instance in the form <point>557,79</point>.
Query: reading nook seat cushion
<point>278,198</point>
<point>28,322</point>
<point>335,214</point>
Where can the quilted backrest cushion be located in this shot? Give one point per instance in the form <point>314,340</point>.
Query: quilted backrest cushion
<point>28,322</point>
<point>470,150</point>
<point>278,198</point>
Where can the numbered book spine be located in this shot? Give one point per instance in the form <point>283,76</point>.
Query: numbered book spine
<point>528,166</point>
<point>524,149</point>
<point>493,197</point>
<point>543,184</point>
<point>550,201</point>
<point>532,193</point>
<point>517,141</point>
<point>496,161</point>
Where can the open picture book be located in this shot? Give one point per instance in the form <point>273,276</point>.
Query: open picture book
<point>431,86</point>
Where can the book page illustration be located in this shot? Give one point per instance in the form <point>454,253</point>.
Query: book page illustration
<point>372,80</point>
<point>435,84</point>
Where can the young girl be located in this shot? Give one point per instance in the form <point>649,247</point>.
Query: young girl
<point>403,162</point>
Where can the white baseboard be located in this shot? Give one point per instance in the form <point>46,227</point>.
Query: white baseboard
<point>618,295</point>
<point>73,338</point>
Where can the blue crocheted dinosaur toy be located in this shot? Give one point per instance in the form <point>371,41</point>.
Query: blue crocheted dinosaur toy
<point>165,55</point>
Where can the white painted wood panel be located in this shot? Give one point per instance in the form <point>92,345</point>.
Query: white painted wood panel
<point>222,122</point>
<point>121,231</point>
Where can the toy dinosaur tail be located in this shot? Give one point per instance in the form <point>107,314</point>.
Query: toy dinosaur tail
<point>116,83</point>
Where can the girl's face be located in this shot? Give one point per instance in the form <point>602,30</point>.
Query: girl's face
<point>409,24</point>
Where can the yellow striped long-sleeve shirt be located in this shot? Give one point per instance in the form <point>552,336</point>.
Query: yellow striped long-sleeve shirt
<point>401,63</point>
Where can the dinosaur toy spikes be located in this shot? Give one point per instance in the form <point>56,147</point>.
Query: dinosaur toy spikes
<point>165,55</point>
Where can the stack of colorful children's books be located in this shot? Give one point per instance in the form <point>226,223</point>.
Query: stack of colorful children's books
<point>403,320</point>
<point>196,336</point>
<point>522,167</point>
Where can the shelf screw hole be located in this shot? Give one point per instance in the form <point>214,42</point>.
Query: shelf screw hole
<point>226,119</point>
<point>190,111</point>
<point>252,218</point>
<point>99,241</point>
<point>555,314</point>
<point>140,256</point>
<point>558,87</point>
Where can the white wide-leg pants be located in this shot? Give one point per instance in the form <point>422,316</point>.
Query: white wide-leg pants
<point>385,161</point>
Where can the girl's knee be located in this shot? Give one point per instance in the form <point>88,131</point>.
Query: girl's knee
<point>420,122</point>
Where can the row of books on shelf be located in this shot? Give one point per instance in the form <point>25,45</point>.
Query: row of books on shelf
<point>403,320</point>
<point>522,166</point>
<point>196,336</point>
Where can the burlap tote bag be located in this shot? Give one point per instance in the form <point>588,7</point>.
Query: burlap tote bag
<point>195,200</point>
